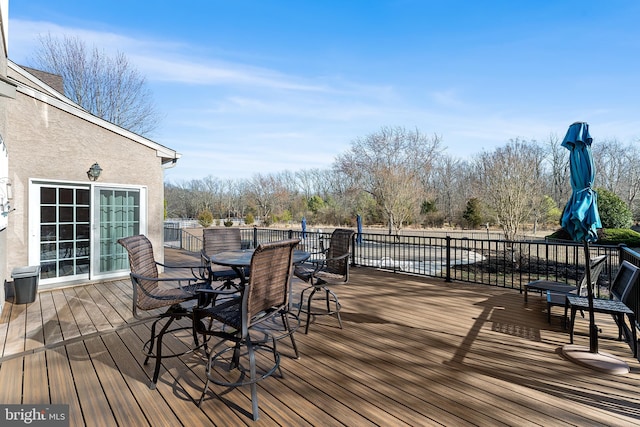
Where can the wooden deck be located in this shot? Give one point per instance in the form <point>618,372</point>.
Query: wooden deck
<point>413,351</point>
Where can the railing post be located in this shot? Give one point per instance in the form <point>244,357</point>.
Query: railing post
<point>353,250</point>
<point>621,247</point>
<point>448,277</point>
<point>255,236</point>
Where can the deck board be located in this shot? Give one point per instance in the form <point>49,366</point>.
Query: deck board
<point>36,376</point>
<point>61,384</point>
<point>96,410</point>
<point>11,374</point>
<point>413,351</point>
<point>16,331</point>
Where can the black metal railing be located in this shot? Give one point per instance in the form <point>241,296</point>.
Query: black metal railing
<point>484,261</point>
<point>633,300</point>
<point>491,262</point>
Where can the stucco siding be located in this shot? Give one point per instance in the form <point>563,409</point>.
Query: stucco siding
<point>49,143</point>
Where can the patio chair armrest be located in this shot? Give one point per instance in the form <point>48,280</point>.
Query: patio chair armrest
<point>204,257</point>
<point>322,252</point>
<point>217,291</point>
<point>318,263</point>
<point>179,280</point>
<point>321,263</point>
<point>197,271</point>
<point>213,297</point>
<point>344,255</point>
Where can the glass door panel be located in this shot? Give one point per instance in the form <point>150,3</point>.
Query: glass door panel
<point>118,216</point>
<point>64,252</point>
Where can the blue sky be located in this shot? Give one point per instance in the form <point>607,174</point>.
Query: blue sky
<point>256,86</point>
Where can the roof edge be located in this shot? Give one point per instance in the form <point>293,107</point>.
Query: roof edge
<point>52,97</point>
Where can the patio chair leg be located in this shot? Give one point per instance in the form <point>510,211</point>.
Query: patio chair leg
<point>306,328</point>
<point>254,385</point>
<point>274,348</point>
<point>338,306</point>
<point>152,341</point>
<point>328,297</point>
<point>287,325</point>
<point>206,383</point>
<point>158,355</point>
<point>301,300</point>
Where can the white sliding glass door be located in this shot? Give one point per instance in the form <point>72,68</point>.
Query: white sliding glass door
<point>75,229</point>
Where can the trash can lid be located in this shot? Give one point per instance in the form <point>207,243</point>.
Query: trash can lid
<point>30,271</point>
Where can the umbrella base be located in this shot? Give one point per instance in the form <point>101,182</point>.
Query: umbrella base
<point>602,362</point>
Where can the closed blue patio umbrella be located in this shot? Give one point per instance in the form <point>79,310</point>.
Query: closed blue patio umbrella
<point>359,224</point>
<point>304,228</point>
<point>580,217</point>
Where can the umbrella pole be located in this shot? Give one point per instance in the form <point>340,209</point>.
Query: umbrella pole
<point>593,328</point>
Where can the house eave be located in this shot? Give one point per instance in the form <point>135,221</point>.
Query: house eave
<point>7,88</point>
<point>55,99</point>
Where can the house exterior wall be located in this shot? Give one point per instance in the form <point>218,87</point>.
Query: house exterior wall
<point>4,107</point>
<point>48,143</point>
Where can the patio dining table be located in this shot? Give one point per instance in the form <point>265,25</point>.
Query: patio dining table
<point>240,260</point>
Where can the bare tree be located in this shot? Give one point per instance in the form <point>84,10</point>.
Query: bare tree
<point>510,180</point>
<point>267,194</point>
<point>618,169</point>
<point>558,162</point>
<point>452,187</point>
<point>632,154</point>
<point>610,159</point>
<point>391,165</point>
<point>182,200</point>
<point>108,87</point>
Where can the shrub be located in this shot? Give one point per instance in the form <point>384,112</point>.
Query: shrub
<point>609,236</point>
<point>473,213</point>
<point>228,223</point>
<point>614,212</point>
<point>249,219</point>
<point>205,218</point>
<point>616,236</point>
<point>433,219</point>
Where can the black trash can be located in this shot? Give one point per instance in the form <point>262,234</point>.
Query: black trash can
<point>25,284</point>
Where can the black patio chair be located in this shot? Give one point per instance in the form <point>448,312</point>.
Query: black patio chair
<point>239,320</point>
<point>557,296</point>
<point>215,240</point>
<point>152,291</point>
<point>323,273</point>
<point>563,288</point>
<point>616,305</point>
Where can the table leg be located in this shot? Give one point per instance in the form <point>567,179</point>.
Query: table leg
<point>573,322</point>
<point>621,326</point>
<point>632,323</point>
